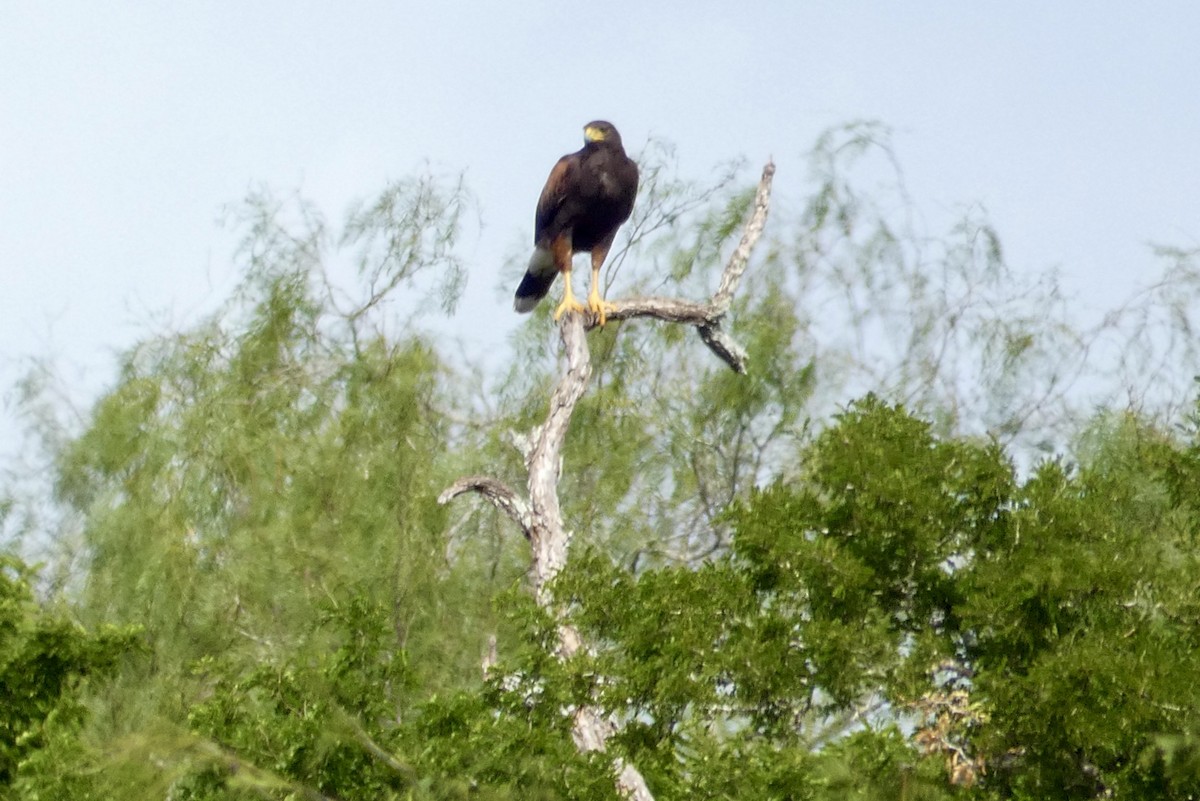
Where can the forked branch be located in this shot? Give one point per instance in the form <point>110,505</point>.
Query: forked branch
<point>709,316</point>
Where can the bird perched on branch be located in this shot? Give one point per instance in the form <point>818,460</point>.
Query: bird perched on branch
<point>587,197</point>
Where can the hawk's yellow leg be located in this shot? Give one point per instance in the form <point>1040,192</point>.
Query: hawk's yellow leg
<point>596,303</point>
<point>569,304</point>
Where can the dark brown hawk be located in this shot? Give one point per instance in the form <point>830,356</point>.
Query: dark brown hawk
<point>586,198</point>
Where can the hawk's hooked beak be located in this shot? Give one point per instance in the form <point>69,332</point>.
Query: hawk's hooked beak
<point>593,134</point>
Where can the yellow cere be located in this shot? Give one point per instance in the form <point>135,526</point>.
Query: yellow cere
<point>593,134</point>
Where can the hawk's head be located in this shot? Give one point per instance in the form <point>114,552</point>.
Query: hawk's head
<point>601,131</point>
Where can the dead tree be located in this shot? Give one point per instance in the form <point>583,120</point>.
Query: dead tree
<point>538,513</point>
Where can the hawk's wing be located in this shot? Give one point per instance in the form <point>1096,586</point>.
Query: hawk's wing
<point>558,188</point>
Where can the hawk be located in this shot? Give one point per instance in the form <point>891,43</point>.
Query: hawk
<point>587,197</point>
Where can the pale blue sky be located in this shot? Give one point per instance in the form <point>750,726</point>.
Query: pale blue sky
<point>126,128</point>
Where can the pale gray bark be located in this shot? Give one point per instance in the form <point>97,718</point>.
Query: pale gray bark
<point>709,316</point>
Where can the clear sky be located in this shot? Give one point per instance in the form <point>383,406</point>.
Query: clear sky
<point>126,128</point>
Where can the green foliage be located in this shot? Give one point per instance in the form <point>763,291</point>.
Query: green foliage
<point>306,719</point>
<point>874,765</point>
<point>1085,616</point>
<point>257,494</point>
<point>46,660</point>
<point>1040,636</point>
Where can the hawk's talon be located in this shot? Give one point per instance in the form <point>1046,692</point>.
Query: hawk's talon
<point>599,307</point>
<point>569,304</point>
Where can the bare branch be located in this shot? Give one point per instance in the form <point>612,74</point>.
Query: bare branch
<point>724,346</point>
<point>491,656</point>
<point>707,317</point>
<point>550,540</point>
<point>495,491</point>
<point>732,276</point>
<point>671,310</point>
<point>591,733</point>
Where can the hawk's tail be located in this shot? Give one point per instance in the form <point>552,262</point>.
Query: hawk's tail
<point>539,277</point>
